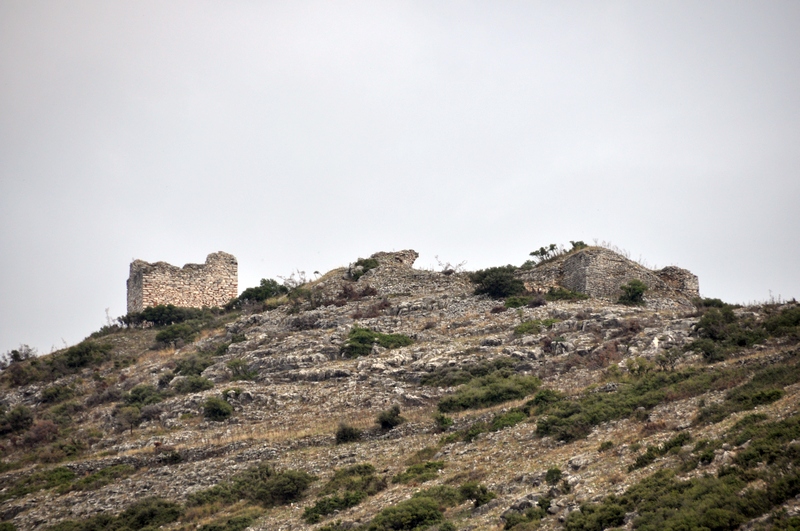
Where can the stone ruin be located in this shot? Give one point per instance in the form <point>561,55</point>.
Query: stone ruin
<point>192,286</point>
<point>600,272</point>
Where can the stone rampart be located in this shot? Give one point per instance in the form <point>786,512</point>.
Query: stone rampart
<point>599,272</point>
<point>192,286</point>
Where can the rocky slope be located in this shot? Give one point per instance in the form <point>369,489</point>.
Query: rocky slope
<point>297,387</point>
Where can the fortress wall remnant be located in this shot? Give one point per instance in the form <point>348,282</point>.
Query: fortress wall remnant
<point>600,272</point>
<point>192,286</point>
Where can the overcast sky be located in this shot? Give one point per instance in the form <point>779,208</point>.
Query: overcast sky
<point>303,135</point>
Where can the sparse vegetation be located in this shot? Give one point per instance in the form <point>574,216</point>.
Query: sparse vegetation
<point>497,282</point>
<point>419,472</point>
<point>217,409</point>
<point>360,341</point>
<point>632,293</point>
<point>346,433</point>
<point>260,484</point>
<point>390,418</point>
<point>361,266</point>
<point>348,487</point>
<point>495,388</point>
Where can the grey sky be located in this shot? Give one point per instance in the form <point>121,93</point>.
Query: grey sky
<point>302,135</point>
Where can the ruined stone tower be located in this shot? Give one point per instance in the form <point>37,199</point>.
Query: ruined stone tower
<point>192,286</point>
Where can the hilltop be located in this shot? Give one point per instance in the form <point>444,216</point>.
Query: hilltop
<point>380,396</point>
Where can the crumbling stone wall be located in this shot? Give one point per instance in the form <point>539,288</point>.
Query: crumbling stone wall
<point>192,286</point>
<point>599,272</point>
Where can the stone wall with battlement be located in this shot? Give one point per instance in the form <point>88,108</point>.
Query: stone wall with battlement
<point>192,286</point>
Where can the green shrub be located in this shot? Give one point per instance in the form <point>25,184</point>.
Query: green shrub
<point>390,418</point>
<point>18,419</point>
<point>419,472</point>
<point>533,326</point>
<point>234,523</point>
<point>476,492</point>
<point>605,446</point>
<point>98,479</point>
<point>348,487</point>
<point>765,387</point>
<point>507,419</point>
<point>496,388</point>
<point>267,289</point>
<point>142,395</point>
<point>451,376</point>
<point>415,513</point>
<point>57,393</point>
<point>163,315</point>
<point>443,422</point>
<point>193,384</point>
<point>553,475</point>
<point>787,322</point>
<point>346,433</point>
<point>564,294</point>
<point>632,293</point>
<point>177,332</point>
<point>240,370</point>
<point>260,484</point>
<point>361,266</point>
<point>193,364</point>
<point>217,409</point>
<point>39,480</point>
<point>497,282</point>
<point>360,340</point>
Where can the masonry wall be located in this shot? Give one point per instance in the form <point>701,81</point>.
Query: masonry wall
<point>600,272</point>
<point>192,286</point>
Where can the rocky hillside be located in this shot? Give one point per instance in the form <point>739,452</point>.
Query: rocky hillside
<point>386,397</point>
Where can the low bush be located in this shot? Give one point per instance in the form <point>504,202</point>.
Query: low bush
<point>419,472</point>
<point>632,293</point>
<point>495,388</point>
<point>564,294</point>
<point>193,364</point>
<point>447,376</point>
<point>267,289</point>
<point>217,409</point>
<point>360,341</point>
<point>39,480</point>
<point>497,282</point>
<point>240,370</point>
<point>163,315</point>
<point>98,479</point>
<point>348,487</point>
<point>259,484</point>
<point>408,515</point>
<point>142,395</point>
<point>361,266</point>
<point>20,418</point>
<point>390,418</point>
<point>147,514</point>
<point>571,419</point>
<point>765,387</point>
<point>193,384</point>
<point>653,452</point>
<point>443,422</point>
<point>533,326</point>
<point>185,332</point>
<point>57,393</point>
<point>346,433</point>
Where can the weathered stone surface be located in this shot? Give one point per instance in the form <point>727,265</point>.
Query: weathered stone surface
<point>192,286</point>
<point>600,272</point>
